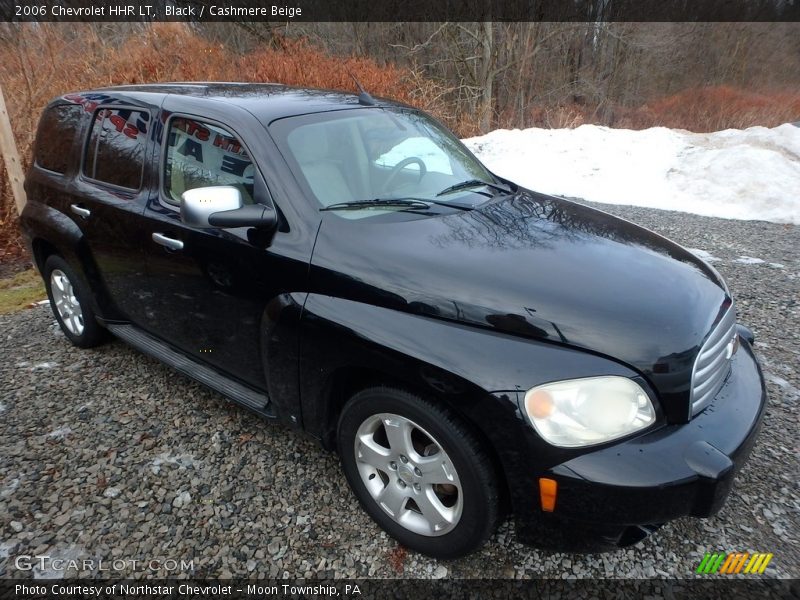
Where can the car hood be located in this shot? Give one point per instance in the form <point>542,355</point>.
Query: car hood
<point>536,266</point>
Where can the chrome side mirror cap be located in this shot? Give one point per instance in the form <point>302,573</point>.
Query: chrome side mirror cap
<point>200,203</point>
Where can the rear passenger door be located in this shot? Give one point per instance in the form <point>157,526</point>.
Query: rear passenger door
<point>107,202</point>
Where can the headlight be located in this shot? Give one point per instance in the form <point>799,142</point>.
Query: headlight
<point>581,412</point>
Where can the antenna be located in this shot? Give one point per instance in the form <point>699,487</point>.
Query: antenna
<point>363,96</point>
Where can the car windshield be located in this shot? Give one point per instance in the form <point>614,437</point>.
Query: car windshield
<point>380,155</point>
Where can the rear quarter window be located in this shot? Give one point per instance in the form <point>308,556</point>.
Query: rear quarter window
<point>58,128</point>
<point>116,147</point>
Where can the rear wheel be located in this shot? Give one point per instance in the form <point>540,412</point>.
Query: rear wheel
<point>70,302</point>
<point>418,471</point>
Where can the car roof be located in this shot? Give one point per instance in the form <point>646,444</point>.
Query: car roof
<point>267,101</point>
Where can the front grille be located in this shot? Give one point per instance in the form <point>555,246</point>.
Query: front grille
<point>713,363</point>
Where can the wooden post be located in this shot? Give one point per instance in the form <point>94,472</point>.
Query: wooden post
<point>8,148</point>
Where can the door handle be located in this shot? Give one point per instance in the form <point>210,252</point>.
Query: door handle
<point>167,242</point>
<point>80,211</point>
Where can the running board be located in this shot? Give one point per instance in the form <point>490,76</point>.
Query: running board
<point>154,347</point>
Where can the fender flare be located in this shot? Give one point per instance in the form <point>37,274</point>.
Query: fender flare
<point>43,226</point>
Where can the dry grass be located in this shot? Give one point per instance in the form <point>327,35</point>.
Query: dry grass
<point>716,108</point>
<point>698,109</point>
<point>19,291</point>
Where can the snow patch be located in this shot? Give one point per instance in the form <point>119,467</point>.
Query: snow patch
<point>782,383</point>
<point>703,255</point>
<point>749,174</point>
<point>182,461</point>
<point>60,433</point>
<point>777,265</point>
<point>5,549</point>
<point>44,365</point>
<point>748,260</point>
<point>9,487</point>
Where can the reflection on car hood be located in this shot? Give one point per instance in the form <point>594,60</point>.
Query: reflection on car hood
<point>535,266</point>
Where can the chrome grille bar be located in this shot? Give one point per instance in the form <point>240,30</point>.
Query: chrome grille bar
<point>712,365</point>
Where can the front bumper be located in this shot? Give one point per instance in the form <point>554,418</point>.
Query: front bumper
<point>616,495</point>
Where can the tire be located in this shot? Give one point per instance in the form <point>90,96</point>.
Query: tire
<point>70,302</point>
<point>396,448</point>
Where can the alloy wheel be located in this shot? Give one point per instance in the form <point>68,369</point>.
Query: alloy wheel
<point>67,305</point>
<point>408,474</point>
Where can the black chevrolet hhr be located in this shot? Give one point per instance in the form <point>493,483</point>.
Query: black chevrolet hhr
<point>344,264</point>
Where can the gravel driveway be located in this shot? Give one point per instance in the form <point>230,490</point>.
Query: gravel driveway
<point>107,454</point>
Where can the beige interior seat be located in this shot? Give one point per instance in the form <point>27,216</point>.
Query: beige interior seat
<point>311,147</point>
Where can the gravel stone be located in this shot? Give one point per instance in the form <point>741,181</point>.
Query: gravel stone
<point>182,499</point>
<point>439,572</point>
<point>80,426</point>
<point>111,492</point>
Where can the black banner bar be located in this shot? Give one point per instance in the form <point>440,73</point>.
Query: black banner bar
<point>401,10</point>
<point>714,587</point>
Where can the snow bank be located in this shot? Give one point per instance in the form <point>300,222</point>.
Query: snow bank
<point>734,174</point>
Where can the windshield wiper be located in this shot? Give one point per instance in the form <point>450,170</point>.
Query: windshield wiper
<point>403,203</point>
<point>471,183</point>
<point>378,203</point>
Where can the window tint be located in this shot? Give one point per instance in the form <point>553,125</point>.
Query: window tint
<point>57,130</point>
<point>115,152</point>
<point>201,155</point>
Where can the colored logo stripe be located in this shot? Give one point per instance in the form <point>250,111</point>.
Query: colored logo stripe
<point>758,563</point>
<point>711,562</point>
<point>733,563</point>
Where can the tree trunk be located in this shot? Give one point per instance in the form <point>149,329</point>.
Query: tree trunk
<point>8,148</point>
<point>487,77</point>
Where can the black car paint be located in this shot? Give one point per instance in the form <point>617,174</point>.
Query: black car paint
<point>471,307</point>
<point>537,267</point>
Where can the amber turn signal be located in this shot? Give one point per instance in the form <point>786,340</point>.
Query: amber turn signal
<point>539,404</point>
<point>548,489</point>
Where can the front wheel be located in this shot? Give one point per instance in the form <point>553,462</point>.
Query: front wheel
<point>418,471</point>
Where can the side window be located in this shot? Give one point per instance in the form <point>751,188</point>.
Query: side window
<point>200,154</point>
<point>115,151</point>
<point>57,130</point>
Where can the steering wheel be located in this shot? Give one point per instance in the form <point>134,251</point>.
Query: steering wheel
<point>402,165</point>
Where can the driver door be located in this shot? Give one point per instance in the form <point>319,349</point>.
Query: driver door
<point>209,287</point>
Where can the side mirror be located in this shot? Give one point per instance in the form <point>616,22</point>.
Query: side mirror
<point>221,206</point>
<point>199,204</point>
<point>252,215</point>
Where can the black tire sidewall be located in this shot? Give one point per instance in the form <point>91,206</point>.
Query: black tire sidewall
<point>92,332</point>
<point>479,488</point>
